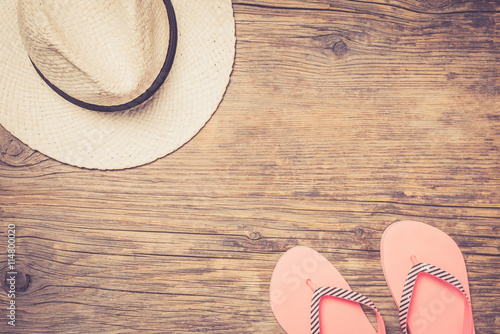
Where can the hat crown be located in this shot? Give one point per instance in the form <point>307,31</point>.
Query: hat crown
<point>102,52</point>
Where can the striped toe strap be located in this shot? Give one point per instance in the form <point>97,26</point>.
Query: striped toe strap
<point>343,294</point>
<point>410,285</point>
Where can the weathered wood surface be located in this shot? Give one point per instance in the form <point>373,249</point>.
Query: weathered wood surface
<point>341,117</point>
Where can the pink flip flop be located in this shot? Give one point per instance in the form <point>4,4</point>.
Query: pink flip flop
<point>426,274</point>
<point>308,295</point>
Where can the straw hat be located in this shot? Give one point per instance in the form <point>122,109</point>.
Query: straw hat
<point>112,84</point>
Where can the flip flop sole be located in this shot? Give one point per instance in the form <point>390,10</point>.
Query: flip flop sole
<point>436,306</point>
<point>291,295</point>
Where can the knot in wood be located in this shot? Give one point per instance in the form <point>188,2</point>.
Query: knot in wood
<point>18,282</point>
<point>359,232</point>
<point>255,236</point>
<point>15,153</point>
<point>14,148</point>
<point>340,48</point>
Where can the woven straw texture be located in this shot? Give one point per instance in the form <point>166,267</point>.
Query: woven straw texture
<point>43,120</point>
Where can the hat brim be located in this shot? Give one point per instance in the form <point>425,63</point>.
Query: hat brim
<point>197,81</point>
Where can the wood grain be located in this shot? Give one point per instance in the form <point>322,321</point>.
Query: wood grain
<point>341,118</point>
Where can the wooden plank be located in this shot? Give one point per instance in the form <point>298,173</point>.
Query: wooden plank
<point>341,117</point>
